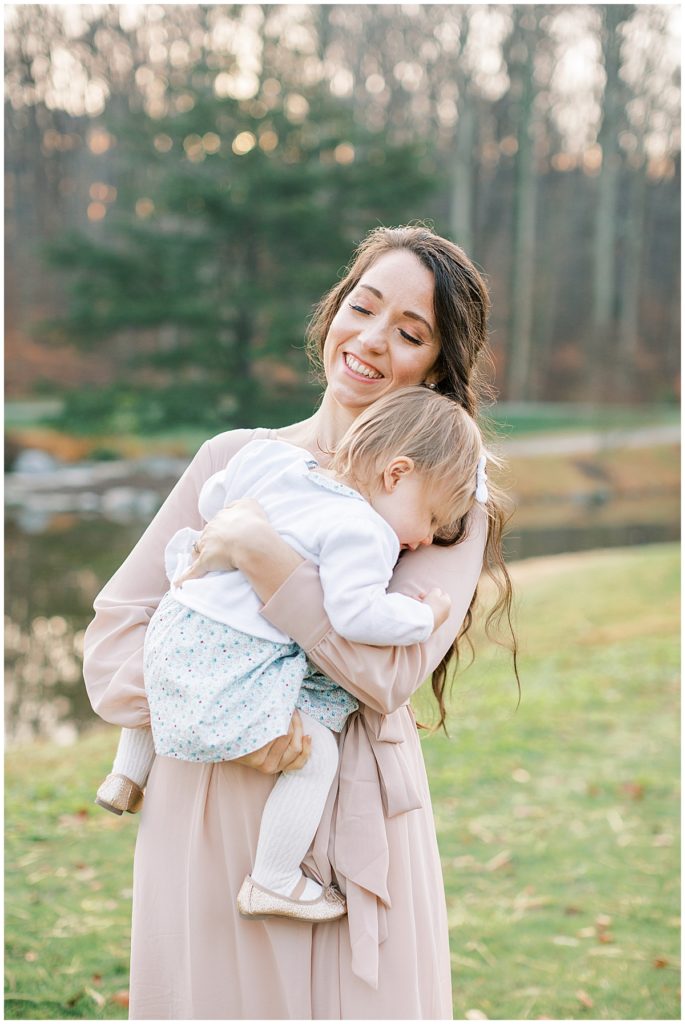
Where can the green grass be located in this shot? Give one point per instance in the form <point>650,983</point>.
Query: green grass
<point>531,418</point>
<point>558,823</point>
<point>67,884</point>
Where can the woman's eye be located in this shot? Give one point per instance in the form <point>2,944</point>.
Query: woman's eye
<point>410,337</point>
<point>360,309</point>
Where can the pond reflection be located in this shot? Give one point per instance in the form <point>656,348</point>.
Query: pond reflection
<point>51,579</point>
<point>53,574</point>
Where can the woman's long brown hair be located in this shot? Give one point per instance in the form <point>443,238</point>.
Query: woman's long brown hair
<point>461,305</point>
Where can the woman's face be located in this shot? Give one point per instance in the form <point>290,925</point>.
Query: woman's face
<point>384,335</point>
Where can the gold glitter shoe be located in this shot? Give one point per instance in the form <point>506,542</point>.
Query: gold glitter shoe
<point>118,794</point>
<point>256,902</point>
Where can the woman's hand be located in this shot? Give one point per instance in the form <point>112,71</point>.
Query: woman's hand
<point>223,537</point>
<point>240,536</point>
<point>284,754</point>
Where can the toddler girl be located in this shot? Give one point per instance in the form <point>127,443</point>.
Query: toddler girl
<point>221,681</point>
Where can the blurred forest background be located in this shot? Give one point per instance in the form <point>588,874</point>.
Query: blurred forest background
<point>184,182</point>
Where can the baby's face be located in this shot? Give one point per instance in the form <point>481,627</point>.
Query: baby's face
<point>412,506</point>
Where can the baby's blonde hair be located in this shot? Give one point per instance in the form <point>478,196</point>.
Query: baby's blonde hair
<point>434,431</point>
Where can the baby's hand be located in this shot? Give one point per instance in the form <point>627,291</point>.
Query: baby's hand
<point>440,604</point>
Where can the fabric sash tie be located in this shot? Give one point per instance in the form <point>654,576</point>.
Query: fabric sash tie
<point>374,783</point>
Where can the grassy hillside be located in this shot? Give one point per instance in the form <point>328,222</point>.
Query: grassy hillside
<point>557,822</point>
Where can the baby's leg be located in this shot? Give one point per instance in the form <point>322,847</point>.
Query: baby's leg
<point>122,789</point>
<point>292,814</point>
<point>135,754</point>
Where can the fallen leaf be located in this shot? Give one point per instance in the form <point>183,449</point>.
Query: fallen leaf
<point>605,937</point>
<point>475,1015</point>
<point>30,956</point>
<point>584,998</point>
<point>500,860</point>
<point>660,961</point>
<point>97,997</point>
<point>564,940</point>
<point>615,820</point>
<point>602,920</point>
<point>120,997</point>
<point>84,873</point>
<point>586,933</point>
<point>72,820</point>
<point>96,979</point>
<point>520,775</point>
<point>572,910</point>
<point>528,811</point>
<point>634,790</point>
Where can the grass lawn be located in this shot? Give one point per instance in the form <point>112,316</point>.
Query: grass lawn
<point>558,823</point>
<point>525,419</point>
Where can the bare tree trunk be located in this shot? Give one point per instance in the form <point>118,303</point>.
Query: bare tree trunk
<point>524,227</point>
<point>462,177</point>
<point>601,336</point>
<point>629,315</point>
<point>557,212</point>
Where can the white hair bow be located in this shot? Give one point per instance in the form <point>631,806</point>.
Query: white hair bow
<point>481,477</point>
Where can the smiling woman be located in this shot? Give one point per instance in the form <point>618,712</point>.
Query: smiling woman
<point>411,310</point>
<point>375,341</point>
<point>371,318</point>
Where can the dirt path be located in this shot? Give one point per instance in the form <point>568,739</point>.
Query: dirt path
<point>590,443</point>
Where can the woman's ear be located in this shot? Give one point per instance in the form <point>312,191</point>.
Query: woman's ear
<point>400,466</point>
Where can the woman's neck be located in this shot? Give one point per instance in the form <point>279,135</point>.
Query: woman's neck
<point>321,432</point>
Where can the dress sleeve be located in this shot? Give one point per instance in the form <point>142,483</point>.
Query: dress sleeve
<point>384,678</point>
<point>113,643</point>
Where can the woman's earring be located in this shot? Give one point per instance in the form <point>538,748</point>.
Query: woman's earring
<point>432,385</point>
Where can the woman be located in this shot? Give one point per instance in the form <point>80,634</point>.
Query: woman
<point>411,309</point>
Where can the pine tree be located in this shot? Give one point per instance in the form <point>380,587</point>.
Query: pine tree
<point>231,220</point>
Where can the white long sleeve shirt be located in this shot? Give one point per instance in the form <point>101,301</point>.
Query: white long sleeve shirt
<point>326,522</point>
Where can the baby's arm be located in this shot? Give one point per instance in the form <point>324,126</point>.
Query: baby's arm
<point>440,604</point>
<point>381,677</point>
<point>357,559</point>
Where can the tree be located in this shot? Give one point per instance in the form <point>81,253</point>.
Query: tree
<point>522,69</point>
<point>232,217</point>
<point>602,334</point>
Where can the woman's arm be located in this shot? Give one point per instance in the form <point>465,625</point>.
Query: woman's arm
<point>384,677</point>
<point>113,646</point>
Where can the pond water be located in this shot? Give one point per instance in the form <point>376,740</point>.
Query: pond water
<point>60,551</point>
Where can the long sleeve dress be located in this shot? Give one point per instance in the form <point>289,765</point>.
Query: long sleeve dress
<point>192,956</point>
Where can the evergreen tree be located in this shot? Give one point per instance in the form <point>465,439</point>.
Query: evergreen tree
<point>231,219</point>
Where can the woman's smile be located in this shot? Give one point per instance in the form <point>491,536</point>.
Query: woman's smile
<point>359,368</point>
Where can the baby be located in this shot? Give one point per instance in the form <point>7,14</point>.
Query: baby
<point>221,681</point>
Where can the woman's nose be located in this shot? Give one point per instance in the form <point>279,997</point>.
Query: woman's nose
<point>374,336</point>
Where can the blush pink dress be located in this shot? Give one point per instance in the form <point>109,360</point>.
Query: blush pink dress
<point>192,956</point>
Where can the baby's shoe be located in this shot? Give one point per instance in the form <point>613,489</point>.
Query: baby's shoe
<point>257,902</point>
<point>118,794</point>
